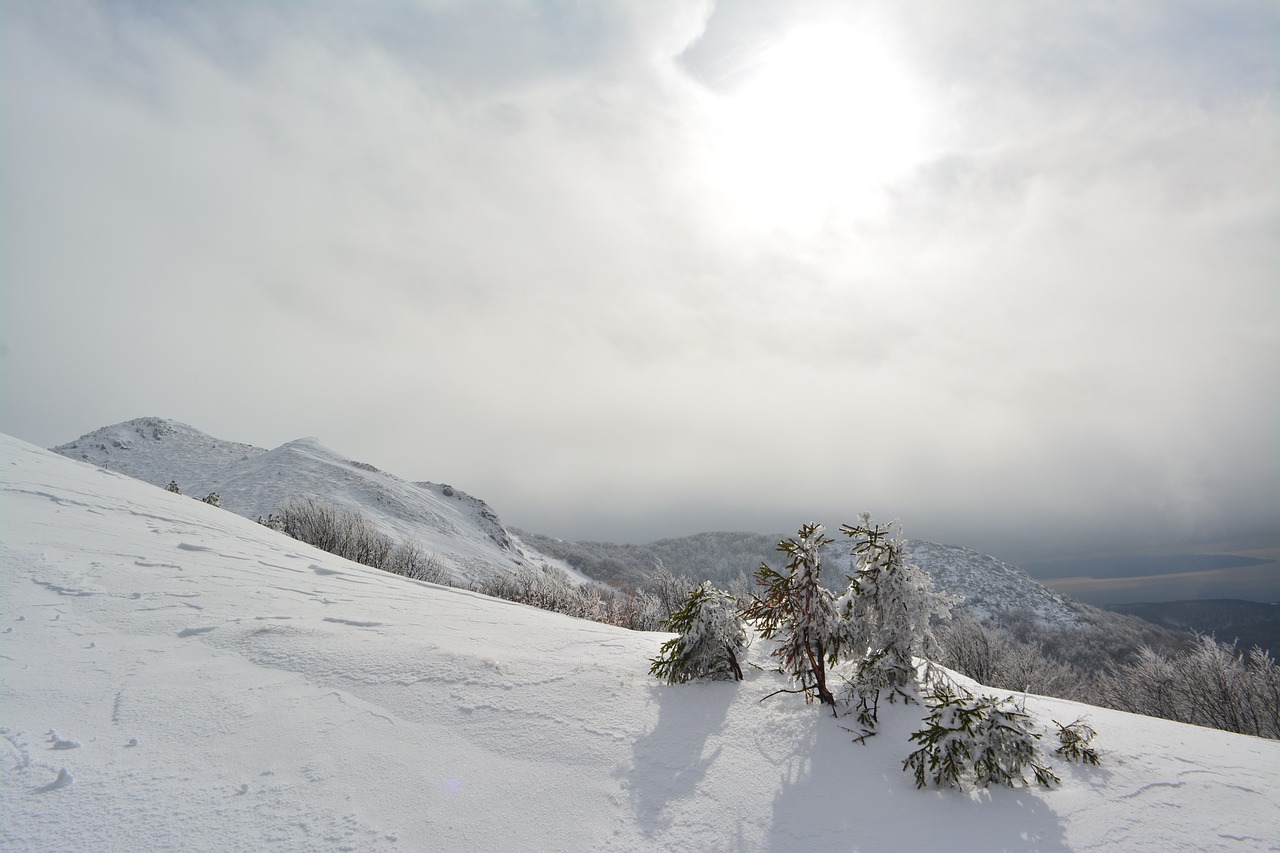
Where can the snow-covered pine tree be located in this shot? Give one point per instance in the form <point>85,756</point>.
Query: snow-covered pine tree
<point>892,602</point>
<point>796,610</point>
<point>712,636</point>
<point>212,499</point>
<point>173,487</point>
<point>984,738</point>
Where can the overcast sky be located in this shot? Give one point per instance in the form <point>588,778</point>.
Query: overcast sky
<point>1007,271</point>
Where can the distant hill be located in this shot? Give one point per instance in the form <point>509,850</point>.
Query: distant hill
<point>1250,623</point>
<point>462,531</point>
<point>994,589</point>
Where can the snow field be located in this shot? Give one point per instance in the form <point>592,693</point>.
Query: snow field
<point>232,689</point>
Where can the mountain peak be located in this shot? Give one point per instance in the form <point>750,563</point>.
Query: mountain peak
<point>462,531</point>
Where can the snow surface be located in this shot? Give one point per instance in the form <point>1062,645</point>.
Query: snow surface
<point>228,688</point>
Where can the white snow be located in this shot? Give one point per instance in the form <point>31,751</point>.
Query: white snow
<point>232,689</point>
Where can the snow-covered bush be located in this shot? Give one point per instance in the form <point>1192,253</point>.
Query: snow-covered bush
<point>671,590</point>
<point>794,609</point>
<point>272,521</point>
<point>173,487</point>
<point>212,499</point>
<point>637,610</point>
<point>711,636</point>
<point>984,739</point>
<point>348,534</point>
<point>410,559</point>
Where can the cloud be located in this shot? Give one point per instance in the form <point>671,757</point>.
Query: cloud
<point>493,246</point>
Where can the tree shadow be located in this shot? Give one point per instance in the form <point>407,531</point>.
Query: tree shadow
<point>668,763</point>
<point>815,808</point>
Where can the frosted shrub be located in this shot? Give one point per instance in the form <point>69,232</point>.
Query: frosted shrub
<point>711,636</point>
<point>1212,685</point>
<point>412,561</point>
<point>212,499</point>
<point>350,535</point>
<point>273,522</point>
<point>637,610</point>
<point>173,487</point>
<point>671,590</point>
<point>984,739</point>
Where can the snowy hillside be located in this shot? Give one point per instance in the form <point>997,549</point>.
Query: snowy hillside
<point>990,586</point>
<point>462,531</point>
<point>178,677</point>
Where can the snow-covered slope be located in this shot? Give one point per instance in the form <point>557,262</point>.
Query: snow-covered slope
<point>176,677</point>
<point>462,531</point>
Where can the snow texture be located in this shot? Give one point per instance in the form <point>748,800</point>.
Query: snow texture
<point>226,695</point>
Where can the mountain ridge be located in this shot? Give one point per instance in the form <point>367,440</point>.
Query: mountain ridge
<point>471,539</point>
<point>461,530</point>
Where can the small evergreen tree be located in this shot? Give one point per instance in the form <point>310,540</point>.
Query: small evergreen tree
<point>173,487</point>
<point>796,610</point>
<point>1075,742</point>
<point>892,603</point>
<point>212,499</point>
<point>712,636</point>
<point>983,738</point>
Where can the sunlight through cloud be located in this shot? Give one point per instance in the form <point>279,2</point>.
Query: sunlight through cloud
<point>827,118</point>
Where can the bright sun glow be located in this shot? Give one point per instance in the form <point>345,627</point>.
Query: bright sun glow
<point>829,117</point>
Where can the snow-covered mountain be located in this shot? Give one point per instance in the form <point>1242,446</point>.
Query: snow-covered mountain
<point>992,587</point>
<point>176,677</point>
<point>467,535</point>
<point>461,530</point>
